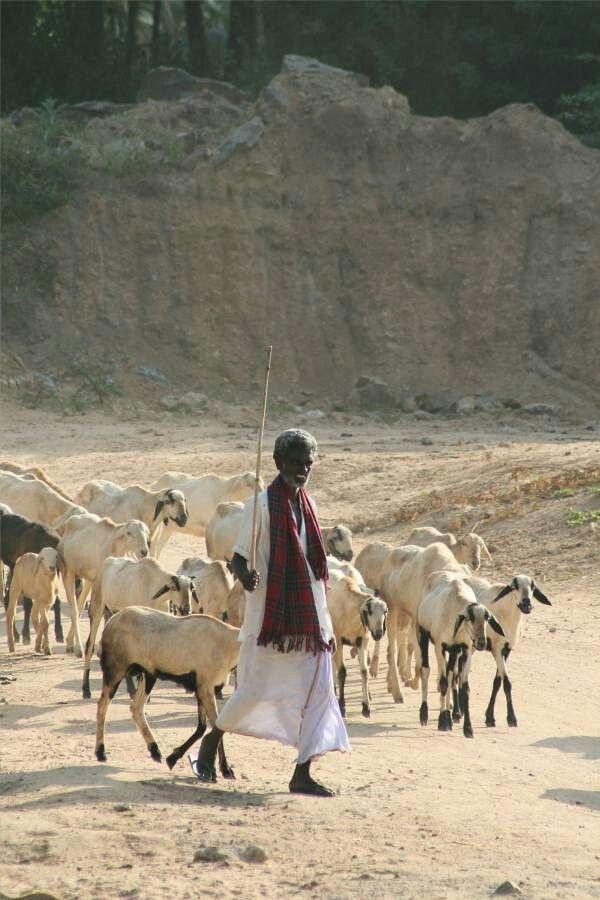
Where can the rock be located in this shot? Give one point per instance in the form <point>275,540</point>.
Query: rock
<point>252,854</point>
<point>371,393</point>
<point>540,409</point>
<point>166,83</point>
<point>408,404</point>
<point>246,135</point>
<point>511,403</point>
<point>186,140</point>
<point>307,65</point>
<point>24,116</point>
<point>313,413</point>
<point>152,374</point>
<point>427,441</point>
<point>438,402</point>
<point>274,95</point>
<point>507,887</point>
<point>94,109</point>
<point>465,405</point>
<point>194,399</point>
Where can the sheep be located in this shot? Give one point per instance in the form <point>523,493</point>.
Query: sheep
<point>222,530</point>
<point>213,583</point>
<point>203,495</point>
<point>31,498</point>
<point>34,575</point>
<point>467,549</point>
<point>338,542</point>
<point>121,504</point>
<point>370,563</point>
<point>86,542</point>
<point>509,603</point>
<point>19,535</point>
<point>355,613</point>
<point>35,472</point>
<point>451,618</point>
<point>402,580</point>
<point>195,651</point>
<point>236,604</point>
<point>125,582</point>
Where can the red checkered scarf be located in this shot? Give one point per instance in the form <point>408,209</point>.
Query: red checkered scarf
<point>290,621</point>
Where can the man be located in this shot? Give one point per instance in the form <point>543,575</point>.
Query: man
<point>284,677</point>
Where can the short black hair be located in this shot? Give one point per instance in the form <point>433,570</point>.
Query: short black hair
<point>293,437</point>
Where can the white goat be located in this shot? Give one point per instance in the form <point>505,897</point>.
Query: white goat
<point>213,583</point>
<point>35,472</point>
<point>127,582</point>
<point>355,613</point>
<point>236,604</point>
<point>203,495</point>
<point>451,618</point>
<point>509,603</point>
<point>222,530</point>
<point>34,576</point>
<point>86,542</point>
<point>154,508</point>
<point>402,581</point>
<point>467,549</point>
<point>197,652</point>
<point>338,541</point>
<point>29,497</point>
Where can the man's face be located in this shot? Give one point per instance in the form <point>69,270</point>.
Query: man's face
<point>295,466</point>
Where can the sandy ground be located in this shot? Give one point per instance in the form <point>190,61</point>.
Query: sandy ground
<point>418,813</point>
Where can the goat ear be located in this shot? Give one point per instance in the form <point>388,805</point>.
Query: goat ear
<point>505,590</point>
<point>458,623</point>
<point>541,597</point>
<point>163,590</point>
<point>158,508</point>
<point>495,624</point>
<point>485,551</point>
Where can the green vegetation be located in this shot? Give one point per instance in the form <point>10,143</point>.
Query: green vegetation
<point>560,493</point>
<point>449,58</point>
<point>582,516</point>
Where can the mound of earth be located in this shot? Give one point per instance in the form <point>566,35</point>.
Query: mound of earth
<point>326,219</point>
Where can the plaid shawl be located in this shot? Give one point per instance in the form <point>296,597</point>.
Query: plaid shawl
<point>290,621</point>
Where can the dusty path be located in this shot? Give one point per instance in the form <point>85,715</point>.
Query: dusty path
<point>419,813</point>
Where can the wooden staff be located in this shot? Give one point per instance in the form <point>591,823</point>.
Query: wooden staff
<point>258,461</point>
<point>1,562</point>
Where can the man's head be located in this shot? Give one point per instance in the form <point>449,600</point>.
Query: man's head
<point>294,454</point>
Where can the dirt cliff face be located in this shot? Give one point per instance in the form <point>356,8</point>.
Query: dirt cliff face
<point>353,236</point>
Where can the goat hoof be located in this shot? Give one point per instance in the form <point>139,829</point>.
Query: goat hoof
<point>512,723</point>
<point>468,732</point>
<point>227,772</point>
<point>155,752</point>
<point>456,716</point>
<point>423,714</point>
<point>366,711</point>
<point>172,759</point>
<point>100,753</point>
<point>87,694</point>
<point>25,639</point>
<point>490,723</point>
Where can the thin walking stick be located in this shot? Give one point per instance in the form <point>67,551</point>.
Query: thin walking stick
<point>258,461</point>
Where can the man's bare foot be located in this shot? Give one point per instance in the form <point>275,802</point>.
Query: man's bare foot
<point>303,783</point>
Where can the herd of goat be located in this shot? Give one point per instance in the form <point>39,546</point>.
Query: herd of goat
<point>183,626</point>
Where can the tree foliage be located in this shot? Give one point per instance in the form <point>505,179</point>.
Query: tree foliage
<point>449,57</point>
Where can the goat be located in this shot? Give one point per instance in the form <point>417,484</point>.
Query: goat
<point>19,535</point>
<point>203,495</point>
<point>86,542</point>
<point>451,618</point>
<point>509,603</point>
<point>195,651</point>
<point>125,582</point>
<point>338,542</point>
<point>34,575</point>
<point>154,508</point>
<point>355,613</point>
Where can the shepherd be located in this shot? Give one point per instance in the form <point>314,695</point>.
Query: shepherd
<point>284,677</point>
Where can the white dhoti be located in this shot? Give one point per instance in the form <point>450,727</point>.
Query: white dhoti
<point>286,697</point>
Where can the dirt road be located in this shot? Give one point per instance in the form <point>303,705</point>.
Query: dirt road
<point>419,813</point>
